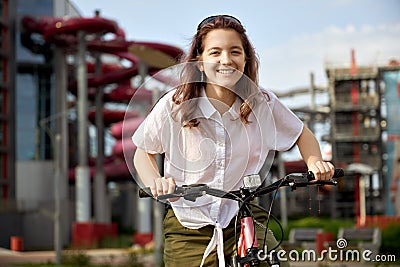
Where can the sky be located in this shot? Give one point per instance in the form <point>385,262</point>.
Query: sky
<point>292,38</point>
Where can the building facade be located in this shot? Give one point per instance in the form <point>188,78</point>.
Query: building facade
<point>27,101</point>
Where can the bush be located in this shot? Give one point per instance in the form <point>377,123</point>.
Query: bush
<point>390,240</point>
<point>75,258</point>
<point>120,241</point>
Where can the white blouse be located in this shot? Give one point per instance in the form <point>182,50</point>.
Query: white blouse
<point>218,152</point>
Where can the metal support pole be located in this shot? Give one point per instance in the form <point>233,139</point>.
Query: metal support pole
<point>60,154</point>
<point>144,205</point>
<point>100,193</point>
<point>282,190</point>
<point>57,209</point>
<point>82,181</point>
<point>312,102</point>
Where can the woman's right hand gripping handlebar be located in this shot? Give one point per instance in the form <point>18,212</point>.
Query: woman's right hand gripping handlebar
<point>162,186</point>
<point>146,167</point>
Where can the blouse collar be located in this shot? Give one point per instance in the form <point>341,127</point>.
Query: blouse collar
<point>208,109</point>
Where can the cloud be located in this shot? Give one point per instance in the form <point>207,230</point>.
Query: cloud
<point>289,65</point>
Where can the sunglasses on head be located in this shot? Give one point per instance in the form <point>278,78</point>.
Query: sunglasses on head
<point>212,18</point>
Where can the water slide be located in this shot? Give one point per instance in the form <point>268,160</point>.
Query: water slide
<point>62,32</point>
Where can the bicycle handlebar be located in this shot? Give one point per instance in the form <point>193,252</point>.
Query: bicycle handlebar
<point>247,253</point>
<point>293,180</point>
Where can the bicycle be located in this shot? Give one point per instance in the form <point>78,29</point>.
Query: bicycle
<point>248,252</point>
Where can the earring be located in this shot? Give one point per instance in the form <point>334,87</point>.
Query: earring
<point>202,77</point>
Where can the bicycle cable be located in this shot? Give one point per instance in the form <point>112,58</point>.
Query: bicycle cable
<point>269,214</point>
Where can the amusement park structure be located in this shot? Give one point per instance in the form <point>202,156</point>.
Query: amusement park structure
<point>94,69</point>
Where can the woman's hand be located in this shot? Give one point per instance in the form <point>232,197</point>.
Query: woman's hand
<point>162,186</point>
<point>146,166</point>
<point>322,170</point>
<point>311,153</point>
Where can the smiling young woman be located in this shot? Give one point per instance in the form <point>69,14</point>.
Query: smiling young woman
<point>216,127</point>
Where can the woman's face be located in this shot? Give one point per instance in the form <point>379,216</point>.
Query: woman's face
<point>223,57</point>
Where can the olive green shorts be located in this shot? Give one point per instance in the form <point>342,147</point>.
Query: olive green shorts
<point>185,247</point>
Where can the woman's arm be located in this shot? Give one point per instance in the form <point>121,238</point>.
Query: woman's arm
<point>146,167</point>
<point>311,153</point>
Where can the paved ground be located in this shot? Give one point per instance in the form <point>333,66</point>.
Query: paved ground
<point>9,258</point>
<point>117,256</point>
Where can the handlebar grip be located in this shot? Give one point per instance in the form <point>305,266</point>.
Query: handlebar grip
<point>145,192</point>
<point>338,173</point>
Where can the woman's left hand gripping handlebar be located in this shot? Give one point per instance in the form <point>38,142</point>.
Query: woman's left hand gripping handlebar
<point>322,170</point>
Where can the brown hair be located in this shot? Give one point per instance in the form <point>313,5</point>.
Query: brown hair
<point>185,97</point>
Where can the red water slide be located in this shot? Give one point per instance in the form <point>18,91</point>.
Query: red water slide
<point>63,33</point>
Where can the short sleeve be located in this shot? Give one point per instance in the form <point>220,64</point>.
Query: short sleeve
<point>154,132</point>
<point>288,126</point>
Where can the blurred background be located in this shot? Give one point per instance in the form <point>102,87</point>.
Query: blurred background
<point>69,70</point>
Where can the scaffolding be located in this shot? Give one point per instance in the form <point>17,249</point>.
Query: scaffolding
<point>356,138</point>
